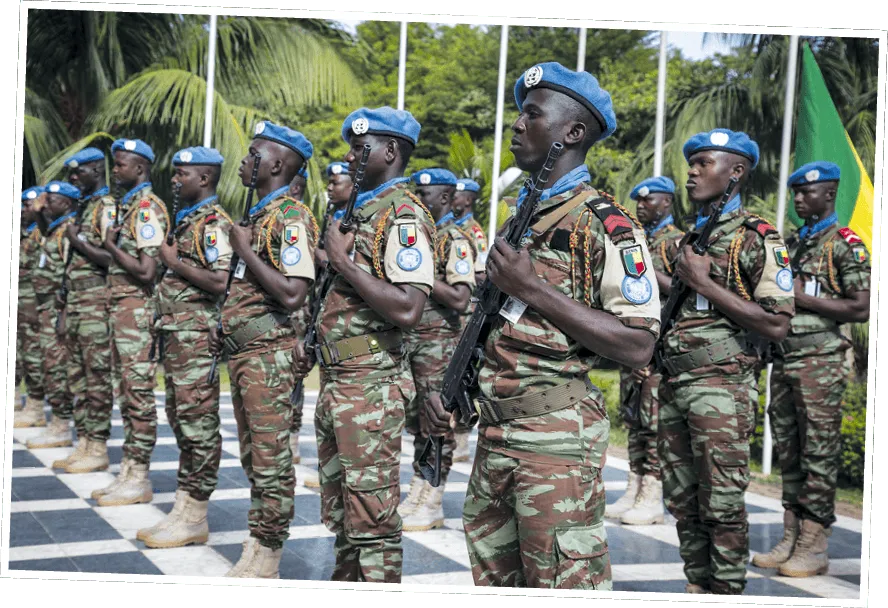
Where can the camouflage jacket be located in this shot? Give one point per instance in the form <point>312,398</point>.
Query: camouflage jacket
<point>201,239</point>
<point>749,258</point>
<point>47,277</point>
<point>454,265</point>
<point>392,242</point>
<point>30,246</point>
<point>663,245</point>
<point>470,225</point>
<point>833,263</point>
<point>99,213</point>
<point>144,223</point>
<point>284,236</point>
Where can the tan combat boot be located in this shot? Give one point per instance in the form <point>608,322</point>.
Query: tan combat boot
<point>135,489</point>
<point>411,502</point>
<point>311,481</point>
<point>627,500</point>
<point>461,452</point>
<point>94,459</point>
<point>30,415</point>
<point>783,549</point>
<point>265,563</point>
<point>121,477</point>
<point>78,452</point>
<point>429,513</point>
<point>167,521</point>
<point>294,448</point>
<point>809,555</point>
<point>56,435</point>
<point>648,508</point>
<point>189,528</point>
<point>251,545</point>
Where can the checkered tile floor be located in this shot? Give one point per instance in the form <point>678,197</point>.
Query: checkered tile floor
<point>55,526</point>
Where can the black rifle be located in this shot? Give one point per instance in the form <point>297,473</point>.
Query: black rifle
<point>327,215</point>
<point>63,290</point>
<point>328,274</point>
<point>157,342</point>
<point>235,260</point>
<point>678,291</point>
<point>461,376</point>
<point>630,408</point>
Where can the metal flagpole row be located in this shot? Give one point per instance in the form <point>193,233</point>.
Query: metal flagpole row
<point>402,66</point>
<point>498,133</point>
<point>660,125</point>
<point>581,51</point>
<point>211,83</point>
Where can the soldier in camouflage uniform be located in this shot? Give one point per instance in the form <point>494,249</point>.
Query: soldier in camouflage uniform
<point>430,344</point>
<point>84,317</point>
<point>832,287</point>
<point>709,390</point>
<point>271,282</point>
<point>196,265</point>
<point>28,355</point>
<point>134,244</point>
<point>56,207</point>
<point>580,287</point>
<point>642,504</point>
<point>377,294</point>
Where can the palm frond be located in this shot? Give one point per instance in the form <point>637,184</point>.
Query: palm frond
<point>54,166</point>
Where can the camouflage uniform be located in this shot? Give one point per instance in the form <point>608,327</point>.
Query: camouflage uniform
<point>809,379</point>
<point>186,314</point>
<point>535,502</point>
<point>86,325</point>
<point>470,225</point>
<point>47,280</point>
<point>299,320</point>
<point>261,363</point>
<point>643,457</point>
<point>433,340</point>
<point>29,355</point>
<point>707,411</point>
<point>360,413</point>
<point>144,224</point>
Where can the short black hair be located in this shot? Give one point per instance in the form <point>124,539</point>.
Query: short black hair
<point>577,112</point>
<point>405,150</point>
<point>215,173</point>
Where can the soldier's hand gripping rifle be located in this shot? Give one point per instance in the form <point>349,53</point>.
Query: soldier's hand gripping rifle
<point>678,291</point>
<point>328,274</point>
<point>63,290</point>
<point>461,376</point>
<point>235,260</point>
<point>157,342</point>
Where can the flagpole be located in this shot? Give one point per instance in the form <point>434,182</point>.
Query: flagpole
<point>581,51</point>
<point>788,105</point>
<point>661,108</point>
<point>402,65</point>
<point>498,133</point>
<point>211,84</point>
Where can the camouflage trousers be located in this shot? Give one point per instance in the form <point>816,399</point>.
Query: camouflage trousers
<point>806,422</point>
<point>89,365</point>
<point>296,425</point>
<point>704,433</point>
<point>643,456</point>
<point>55,381</point>
<point>260,393</point>
<point>429,353</point>
<point>28,353</point>
<point>192,409</point>
<point>358,421</point>
<point>134,378</point>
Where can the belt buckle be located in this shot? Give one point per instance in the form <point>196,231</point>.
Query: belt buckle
<point>489,410</point>
<point>332,353</point>
<point>230,345</point>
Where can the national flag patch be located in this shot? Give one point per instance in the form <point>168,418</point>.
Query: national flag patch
<point>290,211</point>
<point>111,214</point>
<point>291,235</point>
<point>407,234</point>
<point>479,234</point>
<point>210,238</point>
<point>145,216</point>
<point>633,261</point>
<point>859,253</point>
<point>462,250</point>
<point>782,256</point>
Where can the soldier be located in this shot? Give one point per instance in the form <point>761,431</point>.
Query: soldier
<point>134,245</point>
<point>709,390</point>
<point>196,264</point>
<point>29,357</point>
<point>430,344</point>
<point>56,209</point>
<point>580,288</point>
<point>299,319</point>
<point>366,379</point>
<point>832,287</point>
<point>84,316</point>
<point>271,282</point>
<point>642,503</point>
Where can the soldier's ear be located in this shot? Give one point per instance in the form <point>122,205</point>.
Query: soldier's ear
<point>391,151</point>
<point>576,134</point>
<point>276,167</point>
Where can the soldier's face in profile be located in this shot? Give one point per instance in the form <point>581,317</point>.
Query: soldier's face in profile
<point>653,207</point>
<point>462,203</point>
<point>28,215</point>
<point>537,127</point>
<point>56,206</point>
<point>814,199</point>
<point>708,175</point>
<point>85,176</point>
<point>126,168</point>
<point>189,179</point>
<point>339,188</point>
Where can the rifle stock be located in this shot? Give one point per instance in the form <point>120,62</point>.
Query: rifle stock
<point>461,376</point>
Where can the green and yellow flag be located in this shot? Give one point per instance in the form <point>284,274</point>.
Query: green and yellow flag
<point>820,135</point>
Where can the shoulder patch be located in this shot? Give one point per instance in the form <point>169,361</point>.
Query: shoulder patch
<point>144,203</point>
<point>850,236</point>
<point>290,211</point>
<point>760,226</point>
<point>615,221</point>
<point>405,209</point>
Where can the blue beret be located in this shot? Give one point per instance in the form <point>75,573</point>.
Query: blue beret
<point>653,184</point>
<point>87,155</point>
<point>198,155</point>
<point>434,177</point>
<point>812,173</point>
<point>136,146</point>
<point>285,136</point>
<point>381,121</point>
<point>467,185</point>
<point>31,193</point>
<point>63,188</point>
<point>337,168</point>
<point>581,86</point>
<point>725,140</point>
